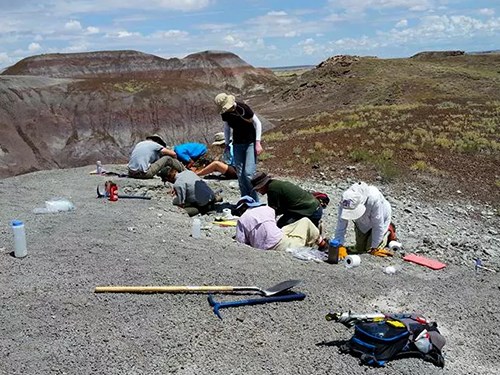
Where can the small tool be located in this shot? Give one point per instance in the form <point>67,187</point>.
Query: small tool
<point>257,301</point>
<point>105,195</point>
<point>479,265</point>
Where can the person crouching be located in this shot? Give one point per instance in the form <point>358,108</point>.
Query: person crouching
<point>191,192</point>
<point>257,227</point>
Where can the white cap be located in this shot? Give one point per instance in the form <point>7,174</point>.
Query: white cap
<point>353,203</point>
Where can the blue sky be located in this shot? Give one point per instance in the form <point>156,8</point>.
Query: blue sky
<point>266,33</point>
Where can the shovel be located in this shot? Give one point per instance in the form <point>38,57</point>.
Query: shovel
<point>276,289</point>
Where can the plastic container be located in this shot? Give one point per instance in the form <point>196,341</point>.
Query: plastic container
<point>333,251</point>
<point>98,167</point>
<point>196,228</point>
<point>20,250</point>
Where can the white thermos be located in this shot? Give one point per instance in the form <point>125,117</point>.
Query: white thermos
<point>20,250</point>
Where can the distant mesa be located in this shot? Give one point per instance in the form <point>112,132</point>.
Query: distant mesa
<point>119,63</point>
<point>437,54</point>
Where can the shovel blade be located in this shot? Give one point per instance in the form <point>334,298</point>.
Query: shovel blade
<point>281,287</point>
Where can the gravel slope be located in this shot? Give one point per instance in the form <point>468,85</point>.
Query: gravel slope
<point>51,322</point>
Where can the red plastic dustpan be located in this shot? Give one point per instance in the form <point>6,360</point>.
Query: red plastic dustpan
<point>423,261</point>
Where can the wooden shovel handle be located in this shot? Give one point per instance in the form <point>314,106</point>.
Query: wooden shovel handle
<point>163,289</point>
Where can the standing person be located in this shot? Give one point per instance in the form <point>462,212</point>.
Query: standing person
<point>257,227</point>
<point>371,213</point>
<point>150,156</point>
<point>189,153</point>
<point>289,200</point>
<point>246,129</point>
<point>191,192</point>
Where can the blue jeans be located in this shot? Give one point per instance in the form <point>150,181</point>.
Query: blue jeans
<point>245,162</point>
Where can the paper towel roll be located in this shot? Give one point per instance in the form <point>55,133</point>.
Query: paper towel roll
<point>227,212</point>
<point>352,261</point>
<point>395,245</point>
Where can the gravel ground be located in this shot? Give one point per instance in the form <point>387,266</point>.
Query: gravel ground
<point>51,322</point>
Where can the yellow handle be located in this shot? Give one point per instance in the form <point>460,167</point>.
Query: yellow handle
<point>163,289</point>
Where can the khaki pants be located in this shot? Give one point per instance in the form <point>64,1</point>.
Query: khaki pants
<point>298,234</point>
<point>164,161</point>
<point>364,240</point>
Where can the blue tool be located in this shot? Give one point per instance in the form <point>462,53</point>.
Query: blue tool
<point>280,298</point>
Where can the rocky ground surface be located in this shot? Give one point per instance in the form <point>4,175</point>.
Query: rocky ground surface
<point>52,322</point>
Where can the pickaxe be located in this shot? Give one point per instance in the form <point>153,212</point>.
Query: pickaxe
<point>279,298</point>
<point>105,195</point>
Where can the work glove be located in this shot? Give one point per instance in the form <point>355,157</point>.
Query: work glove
<point>342,252</point>
<point>381,252</point>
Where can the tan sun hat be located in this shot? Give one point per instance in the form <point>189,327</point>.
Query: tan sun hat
<point>224,102</point>
<point>219,139</point>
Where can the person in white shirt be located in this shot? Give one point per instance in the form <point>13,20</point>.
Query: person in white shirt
<point>371,213</point>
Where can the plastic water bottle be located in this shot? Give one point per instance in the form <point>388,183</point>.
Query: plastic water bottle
<point>196,228</point>
<point>333,251</point>
<point>98,169</point>
<point>20,250</point>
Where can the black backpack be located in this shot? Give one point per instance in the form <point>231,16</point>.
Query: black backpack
<point>377,342</point>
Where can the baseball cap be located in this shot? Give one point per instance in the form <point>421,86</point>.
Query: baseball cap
<point>249,201</point>
<point>352,204</point>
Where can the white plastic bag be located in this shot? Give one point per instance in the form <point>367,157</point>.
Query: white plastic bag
<point>55,205</point>
<point>307,253</point>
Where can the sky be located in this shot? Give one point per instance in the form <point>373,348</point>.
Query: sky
<point>264,33</point>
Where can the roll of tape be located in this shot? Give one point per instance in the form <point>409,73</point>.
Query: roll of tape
<point>395,245</point>
<point>352,261</point>
<point>226,212</point>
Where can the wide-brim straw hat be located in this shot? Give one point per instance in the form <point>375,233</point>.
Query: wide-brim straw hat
<point>225,102</point>
<point>156,138</point>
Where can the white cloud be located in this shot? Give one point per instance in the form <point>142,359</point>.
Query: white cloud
<point>234,41</point>
<point>33,47</point>
<point>402,23</point>
<point>361,5</point>
<point>308,46</point>
<point>123,34</point>
<point>4,58</point>
<point>73,25</point>
<point>170,34</point>
<point>91,30</point>
<point>487,11</point>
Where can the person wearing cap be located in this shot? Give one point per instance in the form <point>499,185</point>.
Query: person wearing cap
<point>257,227</point>
<point>224,164</point>
<point>150,156</point>
<point>244,126</point>
<point>189,153</point>
<point>191,192</point>
<point>371,213</point>
<point>288,200</point>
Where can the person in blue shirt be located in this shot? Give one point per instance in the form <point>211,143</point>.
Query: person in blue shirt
<point>188,153</point>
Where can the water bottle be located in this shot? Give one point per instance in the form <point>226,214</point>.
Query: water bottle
<point>98,169</point>
<point>196,228</point>
<point>20,250</point>
<point>333,251</point>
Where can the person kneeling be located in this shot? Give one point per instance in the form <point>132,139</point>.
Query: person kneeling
<point>257,227</point>
<point>191,192</point>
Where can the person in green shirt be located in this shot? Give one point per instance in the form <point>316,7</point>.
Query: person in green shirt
<point>288,200</point>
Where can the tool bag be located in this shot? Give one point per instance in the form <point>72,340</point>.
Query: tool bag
<point>396,336</point>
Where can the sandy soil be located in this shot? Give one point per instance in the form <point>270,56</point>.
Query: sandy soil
<point>52,322</point>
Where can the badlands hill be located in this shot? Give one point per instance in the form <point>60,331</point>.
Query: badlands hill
<point>62,110</point>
